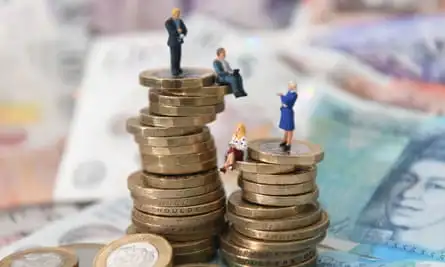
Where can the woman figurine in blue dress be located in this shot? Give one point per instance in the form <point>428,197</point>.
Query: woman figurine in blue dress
<point>287,115</point>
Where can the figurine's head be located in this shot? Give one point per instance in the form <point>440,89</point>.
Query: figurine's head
<point>240,130</point>
<point>176,13</point>
<point>221,53</point>
<point>292,86</point>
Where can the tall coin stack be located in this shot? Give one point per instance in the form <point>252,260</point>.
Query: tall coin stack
<point>275,219</point>
<point>179,194</point>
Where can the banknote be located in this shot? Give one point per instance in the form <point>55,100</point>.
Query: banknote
<point>21,221</point>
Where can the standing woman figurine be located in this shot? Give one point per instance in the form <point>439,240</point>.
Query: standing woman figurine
<point>237,148</point>
<point>287,115</point>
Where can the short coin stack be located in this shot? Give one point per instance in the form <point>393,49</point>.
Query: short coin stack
<point>275,219</point>
<point>179,193</point>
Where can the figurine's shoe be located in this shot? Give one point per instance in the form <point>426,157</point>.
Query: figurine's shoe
<point>223,170</point>
<point>282,144</point>
<point>181,71</point>
<point>286,148</point>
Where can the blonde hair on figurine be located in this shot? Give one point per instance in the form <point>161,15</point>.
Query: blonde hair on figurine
<point>292,85</point>
<point>240,131</point>
<point>175,11</point>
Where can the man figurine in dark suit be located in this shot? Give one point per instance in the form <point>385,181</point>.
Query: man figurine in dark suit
<point>226,75</point>
<point>176,32</point>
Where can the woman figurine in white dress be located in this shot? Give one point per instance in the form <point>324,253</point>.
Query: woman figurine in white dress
<point>237,148</point>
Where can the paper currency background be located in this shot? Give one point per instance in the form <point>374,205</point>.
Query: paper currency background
<point>370,74</point>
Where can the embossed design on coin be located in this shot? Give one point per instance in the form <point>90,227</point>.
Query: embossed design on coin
<point>133,255</point>
<point>38,260</point>
<point>191,77</point>
<point>89,174</point>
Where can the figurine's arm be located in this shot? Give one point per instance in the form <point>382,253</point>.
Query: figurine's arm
<point>170,28</point>
<point>184,28</point>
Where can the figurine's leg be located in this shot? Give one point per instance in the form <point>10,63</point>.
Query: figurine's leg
<point>227,163</point>
<point>179,59</point>
<point>230,160</point>
<point>289,137</point>
<point>172,60</point>
<point>284,142</point>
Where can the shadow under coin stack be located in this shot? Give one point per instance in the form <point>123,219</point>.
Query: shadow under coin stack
<point>179,194</point>
<point>275,219</point>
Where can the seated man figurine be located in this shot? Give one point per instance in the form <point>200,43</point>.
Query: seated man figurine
<point>225,74</point>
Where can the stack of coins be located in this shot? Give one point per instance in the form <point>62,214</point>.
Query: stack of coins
<point>179,193</point>
<point>275,219</point>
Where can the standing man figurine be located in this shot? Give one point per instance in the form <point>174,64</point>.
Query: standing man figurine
<point>287,118</point>
<point>176,32</point>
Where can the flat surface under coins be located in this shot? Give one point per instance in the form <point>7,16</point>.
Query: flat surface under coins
<point>162,78</point>
<point>302,153</point>
<point>85,252</point>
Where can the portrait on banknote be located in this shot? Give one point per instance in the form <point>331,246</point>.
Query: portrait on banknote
<point>407,206</point>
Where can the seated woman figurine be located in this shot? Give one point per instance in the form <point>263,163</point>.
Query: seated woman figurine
<point>237,148</point>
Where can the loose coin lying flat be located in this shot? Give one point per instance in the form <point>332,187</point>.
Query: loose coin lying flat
<point>308,217</point>
<point>302,153</point>
<point>136,250</point>
<point>180,181</point>
<point>187,247</point>
<point>147,118</point>
<point>245,209</point>
<point>183,140</point>
<point>293,259</point>
<point>183,221</point>
<point>277,190</point>
<point>203,255</point>
<point>85,252</point>
<point>167,98</point>
<point>181,211</point>
<point>309,231</point>
<point>179,202</point>
<point>252,166</point>
<point>217,90</point>
<point>296,177</point>
<point>48,257</point>
<point>138,189</point>
<point>281,201</point>
<point>197,148</point>
<point>256,244</point>
<point>179,169</point>
<point>135,127</point>
<point>159,109</point>
<point>181,159</point>
<point>191,77</point>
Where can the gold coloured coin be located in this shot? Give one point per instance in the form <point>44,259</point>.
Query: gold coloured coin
<point>191,77</point>
<point>180,202</point>
<point>58,257</point>
<point>187,247</point>
<point>270,262</point>
<point>198,265</point>
<point>182,233</point>
<point>167,98</point>
<point>85,252</point>
<point>173,221</point>
<point>184,140</point>
<point>135,127</point>
<point>177,238</point>
<point>217,90</point>
<point>179,169</point>
<point>203,255</point>
<point>277,190</point>
<point>256,244</point>
<point>251,166</point>
<point>180,159</point>
<point>180,181</point>
<point>138,189</point>
<point>243,208</point>
<point>302,153</point>
<point>196,148</point>
<point>147,249</point>
<point>309,231</point>
<point>296,177</point>
<point>181,211</point>
<point>309,263</point>
<point>147,118</point>
<point>281,201</point>
<point>308,217</point>
<point>185,111</point>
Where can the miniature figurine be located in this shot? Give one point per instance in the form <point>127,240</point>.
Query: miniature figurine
<point>176,32</point>
<point>237,148</point>
<point>287,115</point>
<point>227,76</point>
